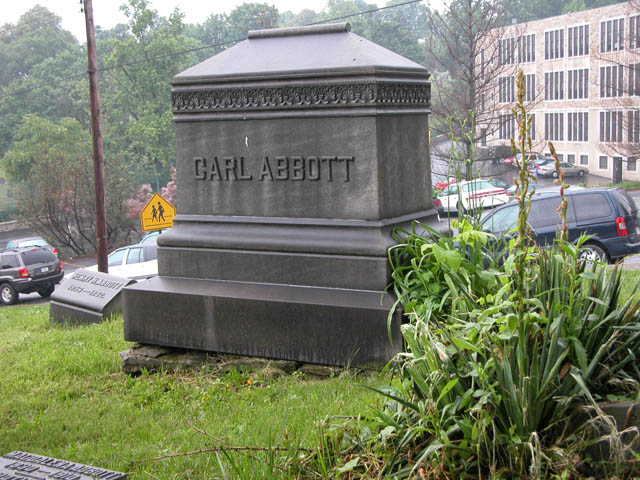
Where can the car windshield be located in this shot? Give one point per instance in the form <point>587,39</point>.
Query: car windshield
<point>33,242</point>
<point>502,220</point>
<point>542,161</point>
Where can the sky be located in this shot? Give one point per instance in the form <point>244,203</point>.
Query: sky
<point>106,13</point>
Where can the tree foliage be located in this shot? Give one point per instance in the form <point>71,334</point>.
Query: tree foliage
<point>52,161</point>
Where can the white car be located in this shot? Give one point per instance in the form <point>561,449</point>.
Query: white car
<point>134,261</point>
<point>479,193</point>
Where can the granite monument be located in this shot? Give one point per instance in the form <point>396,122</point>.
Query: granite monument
<point>299,151</point>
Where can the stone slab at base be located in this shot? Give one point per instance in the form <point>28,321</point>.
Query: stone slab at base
<point>150,358</point>
<point>306,324</point>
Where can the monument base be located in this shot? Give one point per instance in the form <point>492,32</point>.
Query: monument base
<point>309,324</point>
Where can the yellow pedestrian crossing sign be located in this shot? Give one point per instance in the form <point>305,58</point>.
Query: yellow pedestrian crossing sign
<point>157,214</point>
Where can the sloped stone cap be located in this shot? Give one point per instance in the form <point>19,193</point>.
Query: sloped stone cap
<point>299,52</point>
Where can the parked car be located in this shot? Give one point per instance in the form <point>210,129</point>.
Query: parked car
<point>534,164</point>
<point>608,215</point>
<point>472,194</point>
<point>139,261</point>
<point>437,205</point>
<point>499,183</point>
<point>29,242</point>
<point>549,169</point>
<point>442,185</point>
<point>511,191</point>
<point>533,156</point>
<point>151,238</point>
<point>28,270</point>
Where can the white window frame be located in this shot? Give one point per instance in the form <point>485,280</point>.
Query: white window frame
<point>627,162</point>
<point>606,169</point>
<point>583,154</point>
<point>587,46</point>
<point>621,47</point>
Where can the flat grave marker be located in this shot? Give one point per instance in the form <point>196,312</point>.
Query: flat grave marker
<point>87,297</point>
<point>29,466</point>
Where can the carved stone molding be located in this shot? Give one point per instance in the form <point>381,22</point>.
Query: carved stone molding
<point>269,98</point>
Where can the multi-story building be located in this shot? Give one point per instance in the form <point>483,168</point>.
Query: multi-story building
<point>582,87</point>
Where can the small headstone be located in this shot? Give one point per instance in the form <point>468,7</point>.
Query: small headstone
<point>24,466</point>
<point>87,297</point>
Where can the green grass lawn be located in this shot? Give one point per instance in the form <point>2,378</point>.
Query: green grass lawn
<point>62,394</point>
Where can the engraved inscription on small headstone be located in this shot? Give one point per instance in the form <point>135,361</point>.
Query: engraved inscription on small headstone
<point>87,297</point>
<point>23,466</point>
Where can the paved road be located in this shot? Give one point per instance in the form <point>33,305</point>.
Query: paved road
<point>70,266</point>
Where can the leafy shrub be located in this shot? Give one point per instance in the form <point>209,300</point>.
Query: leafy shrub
<point>508,348</point>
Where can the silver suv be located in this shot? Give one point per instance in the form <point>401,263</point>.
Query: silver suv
<point>28,270</point>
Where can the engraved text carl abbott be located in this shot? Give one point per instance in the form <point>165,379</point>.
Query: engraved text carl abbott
<point>277,168</point>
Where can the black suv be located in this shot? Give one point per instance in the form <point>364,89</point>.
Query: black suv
<point>28,270</point>
<point>608,215</point>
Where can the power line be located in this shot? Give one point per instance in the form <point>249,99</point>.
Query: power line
<point>172,54</point>
<point>366,11</point>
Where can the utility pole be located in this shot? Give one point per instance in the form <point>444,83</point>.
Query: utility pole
<point>98,158</point>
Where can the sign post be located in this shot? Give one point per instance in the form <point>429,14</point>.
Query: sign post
<point>157,214</point>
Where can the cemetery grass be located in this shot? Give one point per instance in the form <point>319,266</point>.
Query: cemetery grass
<point>62,394</point>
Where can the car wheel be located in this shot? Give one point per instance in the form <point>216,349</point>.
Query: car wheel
<point>591,253</point>
<point>8,294</point>
<point>461,209</point>
<point>554,174</point>
<point>47,291</point>
<point>581,173</point>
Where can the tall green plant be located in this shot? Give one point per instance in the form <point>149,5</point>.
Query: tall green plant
<point>505,342</point>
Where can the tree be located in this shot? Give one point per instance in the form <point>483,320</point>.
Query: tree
<point>462,41</point>
<point>51,164</point>
<point>36,36</point>
<point>137,102</point>
<point>34,55</point>
<point>252,16</point>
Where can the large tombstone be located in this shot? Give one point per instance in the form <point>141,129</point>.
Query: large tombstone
<point>299,151</point>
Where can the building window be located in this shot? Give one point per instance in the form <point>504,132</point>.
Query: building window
<point>611,81</point>
<point>578,126</point>
<point>578,38</point>
<point>631,164</point>
<point>554,126</point>
<point>507,126</point>
<point>554,85</point>
<point>633,126</point>
<point>612,35</point>
<point>554,44</point>
<point>571,158</point>
<point>506,51</point>
<point>584,159</point>
<point>634,79</point>
<point>578,84</point>
<point>530,87</point>
<point>603,163</point>
<point>634,32</point>
<point>483,137</point>
<point>506,89</point>
<point>532,125</point>
<point>527,48</point>
<point>611,126</point>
